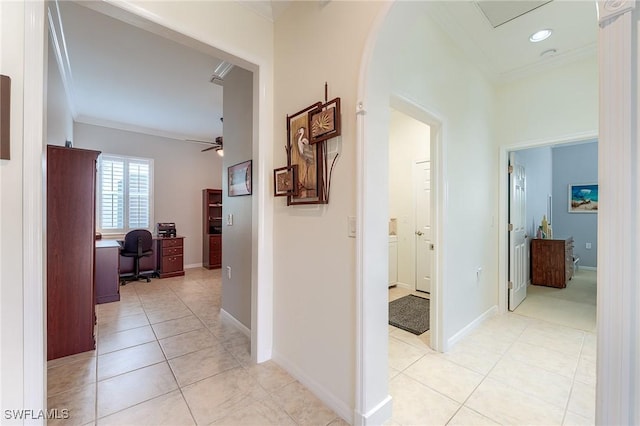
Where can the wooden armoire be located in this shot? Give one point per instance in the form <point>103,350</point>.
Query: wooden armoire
<point>71,210</point>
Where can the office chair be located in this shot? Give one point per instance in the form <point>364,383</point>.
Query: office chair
<point>137,244</point>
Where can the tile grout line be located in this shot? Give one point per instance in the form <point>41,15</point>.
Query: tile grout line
<point>486,375</point>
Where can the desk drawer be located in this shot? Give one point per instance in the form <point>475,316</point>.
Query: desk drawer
<point>171,242</point>
<point>171,263</point>
<point>172,251</point>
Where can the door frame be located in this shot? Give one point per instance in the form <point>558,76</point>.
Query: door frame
<point>503,220</point>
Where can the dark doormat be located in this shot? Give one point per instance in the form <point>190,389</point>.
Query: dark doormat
<point>410,313</point>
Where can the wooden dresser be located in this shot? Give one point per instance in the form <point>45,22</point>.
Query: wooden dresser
<point>170,256</point>
<point>552,262</point>
<point>71,206</point>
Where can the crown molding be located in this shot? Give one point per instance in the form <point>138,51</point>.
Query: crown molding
<point>94,121</point>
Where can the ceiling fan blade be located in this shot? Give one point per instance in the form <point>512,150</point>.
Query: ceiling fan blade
<point>208,149</point>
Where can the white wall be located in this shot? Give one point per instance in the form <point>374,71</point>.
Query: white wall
<point>236,239</point>
<point>59,117</point>
<point>550,106</point>
<point>11,187</point>
<point>409,140</point>
<point>314,273</point>
<point>181,172</point>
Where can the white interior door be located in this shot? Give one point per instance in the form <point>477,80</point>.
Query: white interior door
<point>424,233</point>
<point>518,249</point>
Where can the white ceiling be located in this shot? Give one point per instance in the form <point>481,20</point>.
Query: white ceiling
<point>122,76</point>
<point>505,53</point>
<point>126,77</point>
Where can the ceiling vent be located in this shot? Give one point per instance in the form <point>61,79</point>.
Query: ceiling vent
<point>500,12</point>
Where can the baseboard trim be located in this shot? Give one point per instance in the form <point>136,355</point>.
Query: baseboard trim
<point>403,285</point>
<point>587,268</point>
<point>471,326</point>
<point>328,398</point>
<point>193,265</point>
<point>243,328</point>
<point>380,414</point>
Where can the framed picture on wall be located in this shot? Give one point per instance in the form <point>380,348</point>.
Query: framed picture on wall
<point>306,156</point>
<point>285,181</point>
<point>239,179</point>
<point>583,198</point>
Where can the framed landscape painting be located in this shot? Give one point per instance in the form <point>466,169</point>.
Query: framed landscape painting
<point>239,179</point>
<point>583,198</point>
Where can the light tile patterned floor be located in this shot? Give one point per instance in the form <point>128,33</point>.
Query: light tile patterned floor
<point>165,356</point>
<point>514,369</point>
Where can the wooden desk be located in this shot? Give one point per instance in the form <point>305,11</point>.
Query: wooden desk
<point>166,260</point>
<point>107,276</point>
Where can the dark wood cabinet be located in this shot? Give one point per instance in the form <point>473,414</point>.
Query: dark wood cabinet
<point>170,256</point>
<point>212,228</point>
<point>552,262</point>
<point>215,251</point>
<point>71,203</point>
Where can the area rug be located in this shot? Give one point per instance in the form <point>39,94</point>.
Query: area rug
<point>410,313</point>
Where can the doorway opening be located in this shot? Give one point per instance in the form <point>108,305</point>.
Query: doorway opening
<point>409,202</point>
<point>411,244</point>
<point>553,239</point>
<point>259,307</point>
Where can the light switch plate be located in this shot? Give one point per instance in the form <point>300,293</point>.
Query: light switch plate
<point>351,226</point>
<point>230,219</point>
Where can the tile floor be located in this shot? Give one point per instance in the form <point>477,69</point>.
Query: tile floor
<point>514,369</point>
<point>165,356</point>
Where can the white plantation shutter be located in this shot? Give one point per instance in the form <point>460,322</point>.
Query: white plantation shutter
<point>138,194</point>
<point>124,193</point>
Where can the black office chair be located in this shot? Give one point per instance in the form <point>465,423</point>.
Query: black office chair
<point>137,244</point>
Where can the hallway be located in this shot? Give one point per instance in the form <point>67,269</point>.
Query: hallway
<point>164,356</point>
<point>511,370</point>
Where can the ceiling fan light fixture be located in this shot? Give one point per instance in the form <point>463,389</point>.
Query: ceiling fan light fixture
<point>220,152</point>
<point>540,35</point>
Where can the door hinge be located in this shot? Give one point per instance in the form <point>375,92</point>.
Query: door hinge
<point>510,169</point>
<point>510,285</point>
<point>510,227</point>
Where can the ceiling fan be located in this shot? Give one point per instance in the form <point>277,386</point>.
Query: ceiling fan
<point>217,145</point>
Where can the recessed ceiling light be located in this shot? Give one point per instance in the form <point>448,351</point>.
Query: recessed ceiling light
<point>540,35</point>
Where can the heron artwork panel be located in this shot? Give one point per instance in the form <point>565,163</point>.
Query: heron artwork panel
<point>305,156</point>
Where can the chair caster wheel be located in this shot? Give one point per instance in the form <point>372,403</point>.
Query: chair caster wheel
<point>148,280</point>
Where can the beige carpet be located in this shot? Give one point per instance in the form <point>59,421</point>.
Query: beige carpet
<point>573,306</point>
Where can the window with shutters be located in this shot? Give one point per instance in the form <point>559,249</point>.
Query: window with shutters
<point>125,194</point>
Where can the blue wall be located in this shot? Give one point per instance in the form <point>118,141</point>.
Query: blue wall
<point>575,164</point>
<point>538,167</point>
